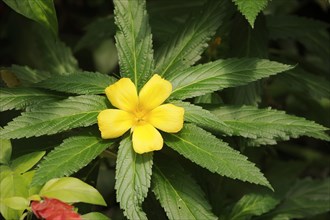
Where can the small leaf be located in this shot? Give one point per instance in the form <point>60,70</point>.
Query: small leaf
<point>213,76</point>
<point>207,151</point>
<point>79,111</point>
<point>41,11</point>
<point>94,216</point>
<point>253,205</point>
<point>250,8</point>
<point>5,150</point>
<point>134,40</point>
<point>186,46</point>
<point>28,76</point>
<point>83,83</point>
<point>203,118</point>
<point>133,173</point>
<point>71,190</point>
<point>16,202</point>
<point>268,124</point>
<point>20,98</point>
<point>178,193</point>
<point>73,154</point>
<point>26,162</point>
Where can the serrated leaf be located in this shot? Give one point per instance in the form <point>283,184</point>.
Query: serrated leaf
<point>250,8</point>
<point>41,11</point>
<point>20,98</point>
<point>187,45</point>
<point>27,75</point>
<point>71,190</point>
<point>252,205</point>
<point>134,40</point>
<point>83,83</point>
<point>133,173</point>
<point>268,124</point>
<point>79,111</point>
<point>178,193</point>
<point>213,154</point>
<point>203,118</point>
<point>305,199</point>
<point>73,154</point>
<point>26,162</point>
<point>213,76</point>
<point>5,150</point>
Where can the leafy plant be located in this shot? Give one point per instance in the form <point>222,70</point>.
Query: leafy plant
<point>252,83</point>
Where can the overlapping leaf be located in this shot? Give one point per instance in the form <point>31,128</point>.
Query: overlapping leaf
<point>215,155</point>
<point>213,76</point>
<point>133,174</point>
<point>73,154</point>
<point>268,124</point>
<point>186,46</point>
<point>55,117</point>
<point>134,40</point>
<point>178,193</point>
<point>79,83</point>
<point>27,75</point>
<point>20,98</point>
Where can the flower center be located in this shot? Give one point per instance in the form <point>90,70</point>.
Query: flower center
<point>140,116</point>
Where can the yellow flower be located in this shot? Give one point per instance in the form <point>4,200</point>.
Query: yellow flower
<point>141,113</point>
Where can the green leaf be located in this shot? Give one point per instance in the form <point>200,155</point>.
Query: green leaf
<point>133,173</point>
<point>59,116</point>
<point>28,76</point>
<point>186,46</point>
<point>134,40</point>
<point>83,83</point>
<point>211,153</point>
<point>41,11</point>
<point>5,150</point>
<point>305,199</point>
<point>213,76</point>
<point>252,205</point>
<point>20,98</point>
<point>71,190</point>
<point>94,216</point>
<point>178,193</point>
<point>26,162</point>
<point>16,202</point>
<point>203,118</point>
<point>268,124</point>
<point>73,154</point>
<point>250,8</point>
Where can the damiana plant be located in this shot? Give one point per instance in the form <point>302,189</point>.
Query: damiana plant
<point>180,115</point>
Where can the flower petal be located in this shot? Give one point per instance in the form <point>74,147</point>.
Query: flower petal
<point>154,93</point>
<point>167,117</point>
<point>123,95</point>
<point>114,123</point>
<point>146,138</point>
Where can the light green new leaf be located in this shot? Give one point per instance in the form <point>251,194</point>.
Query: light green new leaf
<point>16,202</point>
<point>26,162</point>
<point>94,216</point>
<point>73,154</point>
<point>28,76</point>
<point>250,8</point>
<point>83,83</point>
<point>305,199</point>
<point>187,45</point>
<point>203,118</point>
<point>268,124</point>
<point>178,193</point>
<point>5,150</point>
<point>213,154</point>
<point>134,40</point>
<point>20,98</point>
<point>59,116</point>
<point>41,11</point>
<point>252,205</point>
<point>213,76</point>
<point>133,173</point>
<point>71,190</point>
